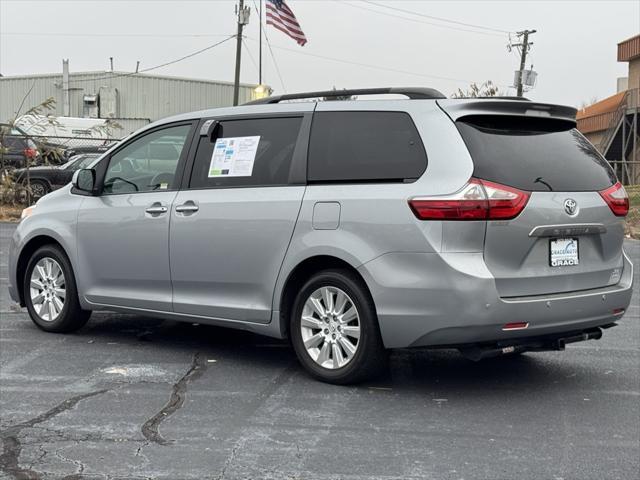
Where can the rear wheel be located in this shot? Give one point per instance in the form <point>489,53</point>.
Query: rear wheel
<point>50,292</point>
<point>334,329</point>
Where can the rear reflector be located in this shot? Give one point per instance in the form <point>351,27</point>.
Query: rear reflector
<point>477,200</point>
<point>515,326</point>
<point>617,199</point>
<point>618,311</point>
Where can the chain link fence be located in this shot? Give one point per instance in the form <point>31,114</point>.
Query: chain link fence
<point>32,166</point>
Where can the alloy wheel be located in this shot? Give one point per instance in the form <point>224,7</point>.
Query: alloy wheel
<point>48,289</point>
<point>330,327</point>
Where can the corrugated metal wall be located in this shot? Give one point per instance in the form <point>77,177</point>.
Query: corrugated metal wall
<point>141,97</point>
<point>629,49</point>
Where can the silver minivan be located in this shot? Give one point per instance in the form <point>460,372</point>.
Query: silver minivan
<point>350,227</point>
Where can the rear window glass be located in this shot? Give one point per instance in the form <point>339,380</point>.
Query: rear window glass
<point>534,154</point>
<point>274,140</point>
<point>365,146</point>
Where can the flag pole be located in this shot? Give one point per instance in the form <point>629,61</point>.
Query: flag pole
<point>260,52</point>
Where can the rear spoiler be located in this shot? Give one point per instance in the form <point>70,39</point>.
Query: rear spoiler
<point>457,109</point>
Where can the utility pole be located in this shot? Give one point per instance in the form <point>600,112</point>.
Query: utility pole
<point>66,105</point>
<point>243,19</point>
<point>524,46</point>
<point>260,51</point>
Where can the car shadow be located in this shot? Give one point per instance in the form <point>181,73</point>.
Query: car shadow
<point>419,370</point>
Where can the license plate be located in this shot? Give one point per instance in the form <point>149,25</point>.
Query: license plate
<point>563,252</point>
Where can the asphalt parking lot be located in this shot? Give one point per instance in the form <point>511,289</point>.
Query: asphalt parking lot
<point>131,397</point>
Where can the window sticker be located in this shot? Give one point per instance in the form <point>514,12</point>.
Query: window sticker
<point>233,157</point>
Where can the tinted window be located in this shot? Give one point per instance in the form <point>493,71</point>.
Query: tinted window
<point>148,163</point>
<point>271,153</point>
<point>534,154</point>
<point>365,146</point>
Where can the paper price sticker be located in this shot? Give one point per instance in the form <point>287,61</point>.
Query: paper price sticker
<point>233,157</point>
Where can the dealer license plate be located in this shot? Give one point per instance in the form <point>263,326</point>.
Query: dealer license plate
<point>563,252</point>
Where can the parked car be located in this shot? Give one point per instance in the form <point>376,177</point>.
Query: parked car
<point>46,178</point>
<point>349,227</point>
<point>16,147</point>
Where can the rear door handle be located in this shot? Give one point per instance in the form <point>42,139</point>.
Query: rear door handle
<point>187,207</point>
<point>156,209</point>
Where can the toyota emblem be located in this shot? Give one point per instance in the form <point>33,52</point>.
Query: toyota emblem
<point>571,207</point>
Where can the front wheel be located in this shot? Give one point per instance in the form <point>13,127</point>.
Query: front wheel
<point>334,328</point>
<point>50,292</point>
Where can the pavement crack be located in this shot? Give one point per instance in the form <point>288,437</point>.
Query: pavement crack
<point>12,446</point>
<point>150,428</point>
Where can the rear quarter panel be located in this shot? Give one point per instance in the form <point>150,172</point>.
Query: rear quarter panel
<point>375,218</point>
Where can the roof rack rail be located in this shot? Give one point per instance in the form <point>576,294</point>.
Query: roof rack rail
<point>503,97</point>
<point>412,93</point>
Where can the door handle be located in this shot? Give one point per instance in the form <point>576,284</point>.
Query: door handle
<point>156,209</point>
<point>188,207</point>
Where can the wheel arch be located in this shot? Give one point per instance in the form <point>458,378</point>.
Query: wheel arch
<point>300,274</point>
<point>27,251</point>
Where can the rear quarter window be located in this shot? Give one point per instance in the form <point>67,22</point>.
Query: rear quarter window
<point>365,147</point>
<point>534,154</point>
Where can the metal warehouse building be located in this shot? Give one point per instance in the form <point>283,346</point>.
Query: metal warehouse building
<point>133,100</point>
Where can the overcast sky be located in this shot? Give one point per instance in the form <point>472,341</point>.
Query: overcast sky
<point>574,51</point>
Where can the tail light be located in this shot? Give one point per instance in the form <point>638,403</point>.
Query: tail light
<point>617,199</point>
<point>30,152</point>
<point>477,200</point>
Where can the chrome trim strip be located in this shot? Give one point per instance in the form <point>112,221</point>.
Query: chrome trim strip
<point>568,229</point>
<point>176,315</point>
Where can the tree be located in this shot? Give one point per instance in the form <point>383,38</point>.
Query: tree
<point>45,150</point>
<point>339,97</point>
<point>584,104</point>
<point>487,89</point>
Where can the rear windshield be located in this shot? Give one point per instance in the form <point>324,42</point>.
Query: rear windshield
<point>534,154</point>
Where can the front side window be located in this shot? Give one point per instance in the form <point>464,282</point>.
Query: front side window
<point>247,152</point>
<point>147,164</point>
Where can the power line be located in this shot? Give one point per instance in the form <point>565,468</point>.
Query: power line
<point>273,57</point>
<point>441,19</point>
<point>171,62</point>
<point>135,35</point>
<point>368,65</point>
<point>253,60</point>
<point>423,22</point>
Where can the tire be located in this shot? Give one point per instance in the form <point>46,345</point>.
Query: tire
<point>347,365</point>
<point>53,304</point>
<point>39,188</point>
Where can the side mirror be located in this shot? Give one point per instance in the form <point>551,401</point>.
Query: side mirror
<point>84,181</point>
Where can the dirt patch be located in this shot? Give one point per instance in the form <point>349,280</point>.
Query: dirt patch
<point>10,213</point>
<point>633,219</point>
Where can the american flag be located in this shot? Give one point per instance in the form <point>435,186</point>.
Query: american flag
<point>281,17</point>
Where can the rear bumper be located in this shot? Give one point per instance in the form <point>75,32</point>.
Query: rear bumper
<point>450,299</point>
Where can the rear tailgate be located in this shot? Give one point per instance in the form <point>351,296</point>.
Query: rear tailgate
<point>567,237</point>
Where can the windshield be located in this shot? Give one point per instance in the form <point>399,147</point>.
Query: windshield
<point>82,161</point>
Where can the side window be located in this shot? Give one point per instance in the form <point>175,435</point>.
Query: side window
<point>247,152</point>
<point>147,164</point>
<point>365,146</point>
